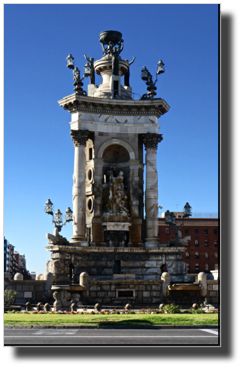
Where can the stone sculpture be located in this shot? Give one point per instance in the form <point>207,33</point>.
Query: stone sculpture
<point>61,300</point>
<point>116,208</point>
<point>56,238</point>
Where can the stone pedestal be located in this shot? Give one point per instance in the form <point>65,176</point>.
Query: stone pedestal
<point>62,297</point>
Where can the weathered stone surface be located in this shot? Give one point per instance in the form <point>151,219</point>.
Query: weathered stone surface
<point>113,287</point>
<point>210,287</point>
<point>158,300</point>
<point>101,264</point>
<point>28,287</point>
<point>140,287</point>
<point>111,294</point>
<point>215,287</point>
<point>101,294</point>
<point>38,287</point>
<point>105,287</point>
<point>155,293</point>
<point>156,287</point>
<point>90,264</point>
<point>107,271</point>
<point>212,293</point>
<point>147,300</point>
<point>146,294</point>
<point>92,271</point>
<point>94,287</point>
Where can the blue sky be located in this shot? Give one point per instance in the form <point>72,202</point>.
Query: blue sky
<point>38,150</point>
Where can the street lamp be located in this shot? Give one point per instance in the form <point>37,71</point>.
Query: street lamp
<point>58,222</point>
<point>147,77</point>
<point>187,210</point>
<point>89,73</point>
<point>70,63</point>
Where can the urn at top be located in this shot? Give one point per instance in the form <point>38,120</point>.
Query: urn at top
<point>105,37</point>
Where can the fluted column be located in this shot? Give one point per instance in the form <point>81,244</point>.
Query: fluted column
<point>79,138</point>
<point>151,141</point>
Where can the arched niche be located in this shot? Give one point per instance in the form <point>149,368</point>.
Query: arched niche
<point>116,155</point>
<point>116,142</point>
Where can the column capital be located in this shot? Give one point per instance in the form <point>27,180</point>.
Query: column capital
<point>150,140</point>
<point>79,137</point>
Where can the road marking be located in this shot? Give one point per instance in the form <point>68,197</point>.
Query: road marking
<point>113,336</point>
<point>57,332</point>
<point>210,331</point>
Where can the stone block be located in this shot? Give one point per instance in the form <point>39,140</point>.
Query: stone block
<point>215,300</point>
<point>155,294</point>
<point>146,294</point>
<point>20,294</point>
<point>212,293</point>
<point>140,287</point>
<point>210,287</point>
<point>147,300</point>
<point>158,300</point>
<point>215,287</point>
<point>111,294</point>
<point>106,300</point>
<point>139,294</point>
<point>28,294</point>
<point>92,294</point>
<point>131,286</point>
<point>107,271</point>
<point>97,300</point>
<point>18,287</point>
<point>113,287</point>
<point>110,264</point>
<point>101,264</point>
<point>94,287</point>
<point>39,295</point>
<point>38,287</point>
<point>92,271</point>
<point>8,287</point>
<point>148,287</point>
<point>20,300</point>
<point>101,294</point>
<point>105,287</point>
<point>156,287</point>
<point>90,264</point>
<point>28,287</point>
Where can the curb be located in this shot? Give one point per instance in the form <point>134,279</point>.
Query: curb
<point>111,326</point>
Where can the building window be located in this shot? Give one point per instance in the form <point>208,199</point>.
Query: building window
<point>187,231</point>
<point>187,255</point>
<point>216,243</point>
<point>196,243</point>
<point>196,231</point>
<point>215,231</point>
<point>206,255</point>
<point>197,255</point>
<point>90,155</point>
<point>167,231</point>
<point>206,267</point>
<point>216,255</point>
<point>206,231</point>
<point>206,243</point>
<point>197,267</point>
<point>216,266</point>
<point>188,267</point>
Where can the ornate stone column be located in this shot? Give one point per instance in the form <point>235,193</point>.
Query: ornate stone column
<point>79,138</point>
<point>150,141</point>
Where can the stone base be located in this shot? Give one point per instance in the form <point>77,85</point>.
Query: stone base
<point>151,242</point>
<point>78,241</point>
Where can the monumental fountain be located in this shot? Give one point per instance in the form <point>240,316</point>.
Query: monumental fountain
<point>114,256</point>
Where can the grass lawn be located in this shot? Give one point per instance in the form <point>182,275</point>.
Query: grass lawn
<point>137,319</point>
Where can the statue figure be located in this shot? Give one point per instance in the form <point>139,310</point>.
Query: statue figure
<point>115,52</point>
<point>92,76</point>
<point>127,74</point>
<point>116,209</point>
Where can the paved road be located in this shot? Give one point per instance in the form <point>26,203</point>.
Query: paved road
<point>28,337</point>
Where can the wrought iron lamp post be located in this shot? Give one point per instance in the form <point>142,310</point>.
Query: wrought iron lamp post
<point>147,77</point>
<point>58,222</point>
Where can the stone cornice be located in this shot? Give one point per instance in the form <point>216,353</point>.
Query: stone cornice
<point>131,250</point>
<point>80,103</point>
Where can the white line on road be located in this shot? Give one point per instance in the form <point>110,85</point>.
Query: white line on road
<point>111,336</point>
<point>210,331</point>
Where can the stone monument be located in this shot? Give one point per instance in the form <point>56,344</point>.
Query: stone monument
<point>115,243</point>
